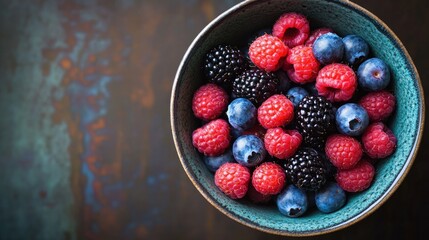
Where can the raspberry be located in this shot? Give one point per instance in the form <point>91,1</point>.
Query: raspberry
<point>378,105</point>
<point>257,197</point>
<point>267,53</point>
<point>378,141</point>
<point>209,102</point>
<point>268,178</point>
<point>292,28</point>
<point>233,180</point>
<point>315,34</point>
<point>337,82</point>
<point>276,111</point>
<point>281,143</point>
<point>213,138</point>
<point>301,65</point>
<point>356,179</point>
<point>343,151</point>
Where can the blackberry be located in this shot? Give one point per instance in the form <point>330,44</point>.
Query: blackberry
<point>306,169</point>
<point>223,63</point>
<point>314,140</point>
<point>255,85</point>
<point>315,119</point>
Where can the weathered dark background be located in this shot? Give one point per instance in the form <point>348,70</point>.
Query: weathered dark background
<point>85,144</point>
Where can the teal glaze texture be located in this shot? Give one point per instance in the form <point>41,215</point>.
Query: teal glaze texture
<point>345,18</point>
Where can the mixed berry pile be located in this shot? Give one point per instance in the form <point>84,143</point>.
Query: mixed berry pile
<point>298,117</point>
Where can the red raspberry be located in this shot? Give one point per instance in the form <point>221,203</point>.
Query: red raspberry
<point>378,141</point>
<point>213,138</point>
<point>292,28</point>
<point>276,111</point>
<point>209,102</point>
<point>356,179</point>
<point>268,53</point>
<point>268,178</point>
<point>378,105</point>
<point>315,34</point>
<point>337,82</point>
<point>233,180</point>
<point>343,151</point>
<point>281,143</point>
<point>301,65</point>
<point>257,197</point>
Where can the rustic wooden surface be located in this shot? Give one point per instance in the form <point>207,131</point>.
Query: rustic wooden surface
<point>85,144</point>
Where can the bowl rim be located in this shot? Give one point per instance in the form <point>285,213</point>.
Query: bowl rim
<point>375,205</point>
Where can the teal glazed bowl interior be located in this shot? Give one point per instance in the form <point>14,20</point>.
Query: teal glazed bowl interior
<point>237,24</point>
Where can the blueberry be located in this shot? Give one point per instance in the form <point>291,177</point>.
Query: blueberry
<point>248,150</point>
<point>292,201</point>
<point>241,114</point>
<point>356,50</point>
<point>285,82</point>
<point>296,94</point>
<point>213,163</point>
<point>328,48</point>
<point>351,119</point>
<point>373,74</point>
<point>330,198</point>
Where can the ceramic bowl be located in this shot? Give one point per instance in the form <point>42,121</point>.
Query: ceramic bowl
<point>345,17</point>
